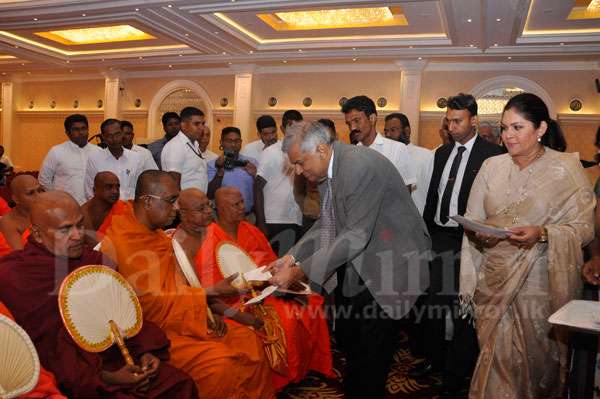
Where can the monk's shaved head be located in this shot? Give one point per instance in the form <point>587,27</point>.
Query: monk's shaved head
<point>230,204</point>
<point>107,187</point>
<point>151,182</point>
<point>25,189</point>
<point>103,177</point>
<point>155,200</point>
<point>57,224</point>
<point>196,212</point>
<point>191,198</point>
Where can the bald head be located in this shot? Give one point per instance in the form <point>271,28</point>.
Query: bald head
<point>107,187</point>
<point>230,205</point>
<point>191,198</point>
<point>196,212</point>
<point>152,182</point>
<point>57,224</point>
<point>25,189</point>
<point>156,195</point>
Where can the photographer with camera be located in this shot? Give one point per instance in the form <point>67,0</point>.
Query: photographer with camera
<point>232,169</point>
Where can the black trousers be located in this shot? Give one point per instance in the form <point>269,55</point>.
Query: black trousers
<point>282,236</point>
<point>368,337</point>
<point>456,358</point>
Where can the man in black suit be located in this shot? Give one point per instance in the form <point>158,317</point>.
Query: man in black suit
<point>455,166</point>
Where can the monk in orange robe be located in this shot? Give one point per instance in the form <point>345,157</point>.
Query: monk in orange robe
<point>4,208</point>
<point>46,386</point>
<point>100,209</point>
<point>14,226</point>
<point>306,332</point>
<point>225,361</point>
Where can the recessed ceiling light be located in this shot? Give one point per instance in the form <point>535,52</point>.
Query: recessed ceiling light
<point>170,66</point>
<point>353,48</point>
<point>216,33</point>
<point>83,15</point>
<point>70,70</point>
<point>251,52</point>
<point>186,35</point>
<point>137,9</point>
<point>353,59</point>
<point>420,58</point>
<point>141,58</point>
<point>469,20</point>
<point>22,64</point>
<point>170,6</point>
<point>410,46</point>
<point>110,69</point>
<point>35,19</point>
<point>284,61</point>
<point>181,55</point>
<point>233,1</point>
<point>94,35</point>
<point>498,19</point>
<point>28,73</point>
<point>68,62</point>
<point>102,60</point>
<point>495,44</point>
<point>510,58</point>
<point>299,50</point>
<point>224,53</point>
<point>471,45</point>
<point>3,73</point>
<point>16,46</point>
<point>562,44</point>
<point>229,63</point>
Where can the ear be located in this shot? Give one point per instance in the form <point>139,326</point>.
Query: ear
<point>373,118</point>
<point>35,232</point>
<point>475,121</point>
<point>321,150</point>
<point>540,131</point>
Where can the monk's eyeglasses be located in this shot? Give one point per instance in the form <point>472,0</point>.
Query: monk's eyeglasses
<point>170,200</point>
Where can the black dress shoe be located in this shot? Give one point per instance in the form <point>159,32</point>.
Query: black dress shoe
<point>423,369</point>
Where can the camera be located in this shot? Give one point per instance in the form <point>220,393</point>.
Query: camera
<point>230,161</point>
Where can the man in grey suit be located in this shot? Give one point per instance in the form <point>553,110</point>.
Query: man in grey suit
<point>370,244</point>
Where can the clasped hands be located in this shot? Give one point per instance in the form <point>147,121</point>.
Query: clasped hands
<point>132,376</point>
<point>522,236</point>
<point>285,272</point>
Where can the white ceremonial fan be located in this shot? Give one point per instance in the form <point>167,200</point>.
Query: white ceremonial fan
<point>184,264</point>
<point>232,259</point>
<point>99,308</point>
<point>19,362</point>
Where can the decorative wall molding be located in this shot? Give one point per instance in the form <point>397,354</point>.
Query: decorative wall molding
<point>58,113</point>
<point>579,118</point>
<point>134,113</point>
<point>432,115</point>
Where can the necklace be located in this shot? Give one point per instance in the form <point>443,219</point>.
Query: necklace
<point>512,208</point>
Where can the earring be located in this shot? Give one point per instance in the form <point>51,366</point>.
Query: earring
<point>539,139</point>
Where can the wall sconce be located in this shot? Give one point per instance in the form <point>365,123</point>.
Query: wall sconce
<point>224,101</point>
<point>52,104</point>
<point>76,104</point>
<point>31,104</point>
<point>307,102</point>
<point>442,102</point>
<point>381,102</point>
<point>272,101</point>
<point>575,104</point>
<point>99,103</point>
<point>137,102</point>
<point>342,101</point>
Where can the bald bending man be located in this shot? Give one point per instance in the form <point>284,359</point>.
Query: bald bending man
<point>100,209</point>
<point>14,226</point>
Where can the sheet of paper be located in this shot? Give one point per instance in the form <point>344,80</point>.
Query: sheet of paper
<point>583,315</point>
<point>258,274</point>
<point>478,227</point>
<point>265,293</point>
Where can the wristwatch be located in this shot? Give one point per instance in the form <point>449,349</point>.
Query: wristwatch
<point>543,235</point>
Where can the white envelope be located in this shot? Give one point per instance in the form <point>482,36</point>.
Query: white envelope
<point>265,293</point>
<point>258,274</point>
<point>583,315</point>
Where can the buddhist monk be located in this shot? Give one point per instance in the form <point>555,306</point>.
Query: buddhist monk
<point>14,226</point>
<point>306,332</point>
<point>29,281</point>
<point>46,385</point>
<point>100,209</point>
<point>225,362</point>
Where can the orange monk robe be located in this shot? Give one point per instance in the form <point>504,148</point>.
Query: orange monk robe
<point>4,208</point>
<point>306,332</point>
<point>46,386</point>
<point>118,208</point>
<point>5,248</point>
<point>231,367</point>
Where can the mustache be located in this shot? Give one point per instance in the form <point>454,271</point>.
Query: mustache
<point>354,131</point>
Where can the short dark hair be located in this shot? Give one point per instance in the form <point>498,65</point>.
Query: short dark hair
<point>188,112</point>
<point>331,125</point>
<point>168,116</point>
<point>290,115</point>
<point>401,117</point>
<point>126,124</point>
<point>71,119</point>
<point>264,122</point>
<point>230,129</point>
<point>463,101</point>
<point>107,123</point>
<point>360,103</point>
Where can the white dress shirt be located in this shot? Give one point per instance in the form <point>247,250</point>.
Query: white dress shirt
<point>279,203</point>
<point>398,154</point>
<point>128,168</point>
<point>64,168</point>
<point>182,156</point>
<point>253,149</point>
<point>422,159</point>
<point>457,183</point>
<point>147,159</point>
<point>208,156</point>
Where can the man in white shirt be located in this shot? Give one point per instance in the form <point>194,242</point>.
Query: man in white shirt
<point>65,164</point>
<point>145,154</point>
<point>126,164</point>
<point>278,214</point>
<point>182,153</point>
<point>207,154</point>
<point>361,118</point>
<point>397,128</point>
<point>267,133</point>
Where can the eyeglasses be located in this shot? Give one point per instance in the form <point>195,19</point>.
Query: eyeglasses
<point>170,200</point>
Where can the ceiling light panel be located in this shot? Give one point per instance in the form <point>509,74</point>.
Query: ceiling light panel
<point>104,34</point>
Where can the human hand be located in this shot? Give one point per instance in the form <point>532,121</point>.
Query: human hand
<point>248,319</point>
<point>218,328</point>
<point>128,376</point>
<point>220,162</point>
<point>150,364</point>
<point>284,261</point>
<point>250,168</point>
<point>224,288</point>
<point>285,273</point>
<point>591,271</point>
<point>525,236</point>
<point>487,240</point>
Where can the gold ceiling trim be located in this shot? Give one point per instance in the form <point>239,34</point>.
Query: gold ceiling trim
<point>366,17</point>
<point>7,57</point>
<point>96,35</point>
<point>585,9</point>
<point>550,32</point>
<point>90,52</point>
<point>261,40</point>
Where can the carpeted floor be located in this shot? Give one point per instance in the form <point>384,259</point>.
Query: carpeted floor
<point>399,385</point>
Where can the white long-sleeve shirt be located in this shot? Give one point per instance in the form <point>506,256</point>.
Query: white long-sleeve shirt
<point>182,156</point>
<point>64,168</point>
<point>398,154</point>
<point>147,158</point>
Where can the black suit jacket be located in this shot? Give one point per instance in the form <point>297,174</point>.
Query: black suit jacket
<point>481,151</point>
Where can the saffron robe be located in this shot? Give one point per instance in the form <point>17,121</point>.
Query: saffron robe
<point>46,386</point>
<point>29,283</point>
<point>118,208</point>
<point>233,366</point>
<point>306,332</point>
<point>5,248</point>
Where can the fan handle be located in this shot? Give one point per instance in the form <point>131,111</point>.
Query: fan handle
<point>118,339</point>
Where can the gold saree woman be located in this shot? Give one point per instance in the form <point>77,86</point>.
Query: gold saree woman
<point>513,290</point>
